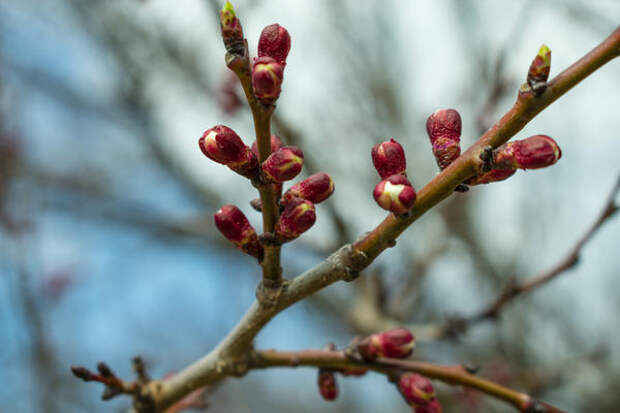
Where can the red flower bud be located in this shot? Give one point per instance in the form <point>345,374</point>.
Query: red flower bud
<point>416,389</point>
<point>224,146</point>
<point>298,216</point>
<point>276,143</point>
<point>396,343</point>
<point>444,131</point>
<point>534,152</point>
<point>538,73</point>
<point>232,32</point>
<point>327,385</point>
<point>236,228</point>
<point>494,175</point>
<point>444,122</point>
<point>431,407</point>
<point>284,164</point>
<point>274,42</point>
<point>395,194</point>
<point>316,188</point>
<point>267,75</point>
<point>388,158</point>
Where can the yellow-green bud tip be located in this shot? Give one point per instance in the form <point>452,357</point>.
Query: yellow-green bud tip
<point>228,8</point>
<point>545,54</point>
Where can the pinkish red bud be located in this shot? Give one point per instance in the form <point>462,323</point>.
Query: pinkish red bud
<point>327,385</point>
<point>233,224</point>
<point>298,216</point>
<point>232,32</point>
<point>416,389</point>
<point>284,164</point>
<point>276,143</point>
<point>395,194</point>
<point>538,73</point>
<point>494,175</point>
<point>444,122</point>
<point>267,75</point>
<point>534,152</point>
<point>431,407</point>
<point>444,131</point>
<point>316,188</point>
<point>389,158</point>
<point>396,343</point>
<point>274,42</point>
<point>224,146</point>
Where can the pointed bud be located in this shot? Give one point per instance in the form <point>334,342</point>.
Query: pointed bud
<point>316,188</point>
<point>274,42</point>
<point>284,164</point>
<point>276,143</point>
<point>298,216</point>
<point>396,343</point>
<point>232,32</point>
<point>233,224</point>
<point>494,175</point>
<point>327,385</point>
<point>388,158</point>
<point>416,389</point>
<point>444,130</point>
<point>395,194</point>
<point>431,407</point>
<point>224,146</point>
<point>534,152</point>
<point>267,75</point>
<point>539,70</point>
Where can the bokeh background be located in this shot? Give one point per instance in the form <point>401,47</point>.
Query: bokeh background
<point>107,247</point>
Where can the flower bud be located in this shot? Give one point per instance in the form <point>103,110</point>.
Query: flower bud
<point>431,407</point>
<point>327,385</point>
<point>444,122</point>
<point>444,131</point>
<point>389,158</point>
<point>284,164</point>
<point>224,146</point>
<point>416,389</point>
<point>276,143</point>
<point>396,343</point>
<point>534,152</point>
<point>232,32</point>
<point>395,194</point>
<point>267,75</point>
<point>494,175</point>
<point>233,224</point>
<point>298,216</point>
<point>274,42</point>
<point>538,73</point>
<point>316,188</point>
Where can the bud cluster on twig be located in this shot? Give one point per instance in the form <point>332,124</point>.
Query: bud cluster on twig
<point>394,193</point>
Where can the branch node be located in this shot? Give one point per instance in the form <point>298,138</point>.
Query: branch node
<point>269,291</point>
<point>461,188</point>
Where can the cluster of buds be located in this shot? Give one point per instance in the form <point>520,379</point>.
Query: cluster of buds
<point>394,193</point>
<point>268,68</point>
<point>395,343</point>
<point>538,73</point>
<point>234,225</point>
<point>534,152</point>
<point>328,387</point>
<point>222,145</point>
<point>419,393</point>
<point>444,130</point>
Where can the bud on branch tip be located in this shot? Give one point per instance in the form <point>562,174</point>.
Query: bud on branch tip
<point>222,145</point>
<point>328,387</point>
<point>396,343</point>
<point>267,76</point>
<point>316,188</point>
<point>444,130</point>
<point>298,216</point>
<point>274,42</point>
<point>284,164</point>
<point>538,73</point>
<point>416,389</point>
<point>232,32</point>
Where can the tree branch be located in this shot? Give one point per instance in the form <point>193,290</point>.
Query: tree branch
<point>230,356</point>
